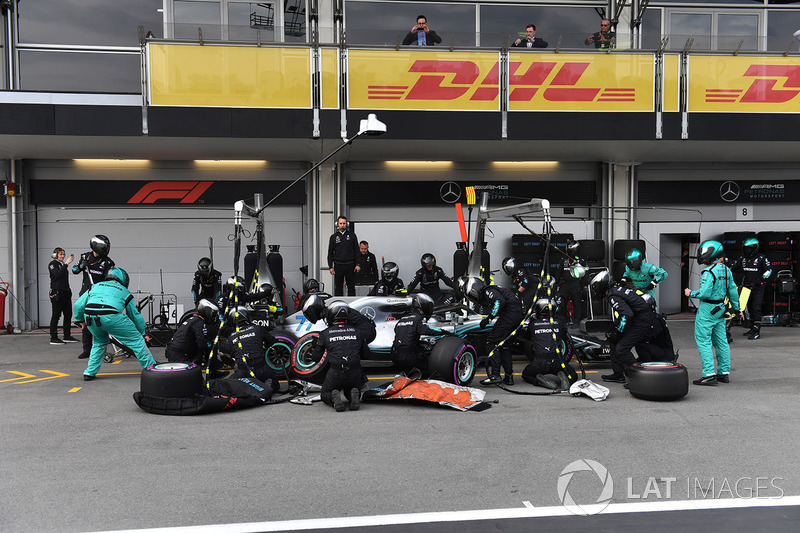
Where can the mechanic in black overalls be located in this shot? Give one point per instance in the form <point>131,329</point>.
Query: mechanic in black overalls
<point>192,339</point>
<point>390,284</point>
<point>523,281</point>
<point>570,287</point>
<point>549,365</point>
<point>756,268</point>
<point>94,264</point>
<point>248,345</point>
<point>311,286</point>
<point>507,307</point>
<point>407,353</point>
<point>343,253</point>
<point>634,320</point>
<point>429,276</point>
<point>207,282</point>
<point>346,348</point>
<point>60,296</point>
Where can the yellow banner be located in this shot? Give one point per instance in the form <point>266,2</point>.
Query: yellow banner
<point>580,82</point>
<point>469,81</point>
<point>330,78</point>
<point>744,84</point>
<point>229,76</point>
<point>440,80</point>
<point>672,82</point>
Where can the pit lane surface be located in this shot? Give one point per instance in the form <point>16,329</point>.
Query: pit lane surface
<point>80,456</point>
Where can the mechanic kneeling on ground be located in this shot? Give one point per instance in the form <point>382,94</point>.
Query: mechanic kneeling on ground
<point>549,365</point>
<point>192,340</point>
<point>634,320</point>
<point>107,308</point>
<point>248,344</point>
<point>507,307</point>
<point>346,347</point>
<point>407,353</point>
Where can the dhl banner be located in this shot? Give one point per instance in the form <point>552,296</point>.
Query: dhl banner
<point>742,84</point>
<point>329,58</point>
<point>469,81</point>
<point>229,76</point>
<point>580,82</point>
<point>672,82</point>
<point>436,80</point>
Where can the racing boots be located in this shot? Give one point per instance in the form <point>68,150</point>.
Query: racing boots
<point>616,377</point>
<point>706,380</point>
<point>492,379</point>
<point>755,333</point>
<point>723,378</point>
<point>508,380</point>
<point>355,399</point>
<point>336,400</point>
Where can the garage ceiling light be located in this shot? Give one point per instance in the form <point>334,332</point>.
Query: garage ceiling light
<point>250,163</point>
<point>521,165</point>
<point>112,162</point>
<point>421,165</point>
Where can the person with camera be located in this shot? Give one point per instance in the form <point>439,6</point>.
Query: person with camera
<point>605,38</point>
<point>421,34</point>
<point>530,40</point>
<point>716,282</point>
<point>60,296</point>
<point>95,266</point>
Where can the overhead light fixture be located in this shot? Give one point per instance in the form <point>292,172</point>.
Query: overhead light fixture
<point>231,162</point>
<point>112,162</point>
<point>421,165</point>
<point>521,165</point>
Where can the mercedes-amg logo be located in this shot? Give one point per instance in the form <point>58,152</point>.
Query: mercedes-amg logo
<point>368,312</point>
<point>729,191</point>
<point>450,192</point>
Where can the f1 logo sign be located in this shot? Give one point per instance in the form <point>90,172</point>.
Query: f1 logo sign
<point>186,191</point>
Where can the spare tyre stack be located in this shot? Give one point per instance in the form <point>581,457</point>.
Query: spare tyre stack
<point>796,271</point>
<point>528,249</point>
<point>777,246</point>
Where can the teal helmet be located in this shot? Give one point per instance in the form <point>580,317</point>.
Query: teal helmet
<point>634,258</point>
<point>709,251</point>
<point>750,247</point>
<point>119,275</point>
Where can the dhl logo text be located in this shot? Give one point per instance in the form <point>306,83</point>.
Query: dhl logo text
<point>450,80</point>
<point>773,84</point>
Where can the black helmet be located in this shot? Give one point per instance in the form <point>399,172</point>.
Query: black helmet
<point>542,308</point>
<point>239,315</point>
<point>647,297</point>
<point>234,281</point>
<point>633,259</point>
<point>266,290</point>
<point>119,275</point>
<point>750,247</point>
<point>709,251</point>
<point>208,310</point>
<point>424,303</point>
<point>313,308</point>
<point>600,284</point>
<point>100,245</point>
<point>310,285</point>
<point>389,271</point>
<point>473,289</point>
<point>337,312</point>
<point>428,259</point>
<point>204,267</point>
<point>572,248</point>
<point>509,265</point>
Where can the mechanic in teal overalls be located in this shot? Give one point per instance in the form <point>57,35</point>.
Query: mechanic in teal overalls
<point>716,282</point>
<point>101,310</point>
<point>643,276</point>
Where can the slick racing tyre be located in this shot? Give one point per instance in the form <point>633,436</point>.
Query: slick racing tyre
<point>658,381</point>
<point>279,355</point>
<point>172,380</point>
<point>303,363</point>
<point>453,360</point>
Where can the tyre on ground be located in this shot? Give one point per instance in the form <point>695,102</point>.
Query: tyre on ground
<point>658,381</point>
<point>172,380</point>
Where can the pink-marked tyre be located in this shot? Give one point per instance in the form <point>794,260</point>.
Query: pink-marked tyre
<point>658,381</point>
<point>279,355</point>
<point>304,364</point>
<point>453,360</point>
<point>172,380</point>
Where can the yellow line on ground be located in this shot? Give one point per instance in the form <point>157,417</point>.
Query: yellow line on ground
<point>22,375</point>
<point>118,361</point>
<point>75,389</point>
<point>118,373</point>
<point>54,376</point>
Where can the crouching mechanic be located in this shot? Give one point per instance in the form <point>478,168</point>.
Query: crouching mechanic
<point>549,365</point>
<point>108,308</point>
<point>634,322</point>
<point>248,345</point>
<point>407,353</point>
<point>716,282</point>
<point>507,307</point>
<point>191,341</point>
<point>346,347</point>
